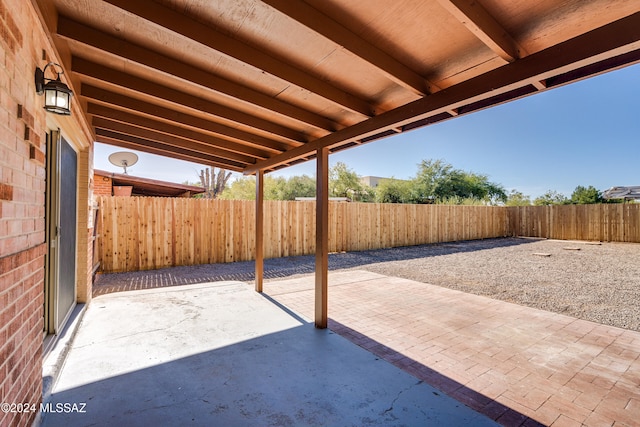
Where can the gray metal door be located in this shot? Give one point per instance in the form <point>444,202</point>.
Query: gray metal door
<point>67,230</point>
<point>60,286</point>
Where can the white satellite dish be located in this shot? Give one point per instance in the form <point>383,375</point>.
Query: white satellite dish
<point>123,159</point>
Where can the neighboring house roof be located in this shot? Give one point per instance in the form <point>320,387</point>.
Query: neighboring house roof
<point>149,187</point>
<point>627,193</point>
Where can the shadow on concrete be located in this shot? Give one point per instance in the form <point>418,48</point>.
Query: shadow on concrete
<point>502,414</point>
<point>298,376</point>
<point>275,268</point>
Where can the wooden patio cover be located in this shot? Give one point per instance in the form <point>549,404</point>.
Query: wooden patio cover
<point>257,85</point>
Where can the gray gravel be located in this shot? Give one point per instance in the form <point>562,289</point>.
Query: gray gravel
<point>596,282</point>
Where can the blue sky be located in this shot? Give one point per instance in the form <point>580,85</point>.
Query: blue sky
<point>585,133</point>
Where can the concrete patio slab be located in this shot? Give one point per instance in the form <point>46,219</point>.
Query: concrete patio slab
<point>221,354</point>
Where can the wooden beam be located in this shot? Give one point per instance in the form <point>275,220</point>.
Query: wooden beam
<point>170,140</point>
<point>484,26</point>
<point>322,238</point>
<point>105,74</point>
<point>180,118</point>
<point>614,39</point>
<point>540,85</point>
<point>324,25</point>
<point>73,30</point>
<point>157,148</point>
<point>243,52</point>
<point>98,110</point>
<point>259,230</point>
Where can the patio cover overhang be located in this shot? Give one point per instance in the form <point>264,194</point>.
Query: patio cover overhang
<point>253,86</point>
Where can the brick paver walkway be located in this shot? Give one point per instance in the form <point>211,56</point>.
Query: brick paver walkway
<point>518,365</point>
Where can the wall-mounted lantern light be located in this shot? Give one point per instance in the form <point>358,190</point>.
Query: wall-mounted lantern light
<point>57,96</point>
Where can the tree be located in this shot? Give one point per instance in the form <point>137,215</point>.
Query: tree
<point>551,197</point>
<point>343,182</point>
<point>516,198</point>
<point>478,186</point>
<point>300,186</point>
<point>243,188</point>
<point>214,183</point>
<point>393,191</point>
<point>280,188</point>
<point>585,196</point>
<point>275,188</point>
<point>437,180</point>
<point>432,181</point>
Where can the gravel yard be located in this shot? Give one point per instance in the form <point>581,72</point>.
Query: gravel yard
<point>596,282</point>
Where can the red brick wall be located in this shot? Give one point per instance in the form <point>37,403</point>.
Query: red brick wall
<point>21,335</point>
<point>23,126</point>
<point>22,186</point>
<point>102,185</point>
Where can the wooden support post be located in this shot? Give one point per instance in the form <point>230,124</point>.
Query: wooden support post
<point>322,236</point>
<point>259,229</point>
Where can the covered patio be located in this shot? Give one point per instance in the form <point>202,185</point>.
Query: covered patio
<point>254,86</point>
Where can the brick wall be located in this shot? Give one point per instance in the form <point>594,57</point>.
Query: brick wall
<point>102,185</point>
<point>23,128</point>
<point>21,335</point>
<point>22,248</point>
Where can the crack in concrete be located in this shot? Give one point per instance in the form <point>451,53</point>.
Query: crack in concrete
<point>393,402</point>
<point>120,337</point>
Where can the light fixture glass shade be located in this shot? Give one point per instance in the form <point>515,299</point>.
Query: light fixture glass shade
<point>57,97</point>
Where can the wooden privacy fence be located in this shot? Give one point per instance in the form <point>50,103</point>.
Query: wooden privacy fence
<point>605,223</point>
<point>141,233</point>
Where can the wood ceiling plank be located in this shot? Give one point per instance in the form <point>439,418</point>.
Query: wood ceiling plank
<point>141,144</point>
<point>480,22</point>
<point>334,31</point>
<point>84,34</point>
<point>172,140</point>
<point>616,38</point>
<point>108,97</point>
<point>420,34</point>
<point>540,24</point>
<point>138,84</point>
<point>234,48</point>
<point>97,110</point>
